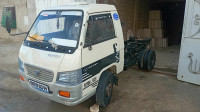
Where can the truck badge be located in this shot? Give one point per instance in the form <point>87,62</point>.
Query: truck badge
<point>37,72</point>
<point>115,16</point>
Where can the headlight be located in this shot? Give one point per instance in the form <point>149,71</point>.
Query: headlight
<point>70,78</point>
<point>21,65</point>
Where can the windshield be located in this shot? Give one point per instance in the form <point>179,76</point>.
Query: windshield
<point>60,27</point>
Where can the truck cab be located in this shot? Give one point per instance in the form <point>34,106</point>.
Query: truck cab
<point>72,52</point>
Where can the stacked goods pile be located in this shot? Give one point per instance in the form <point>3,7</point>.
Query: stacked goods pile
<point>158,33</point>
<point>143,33</point>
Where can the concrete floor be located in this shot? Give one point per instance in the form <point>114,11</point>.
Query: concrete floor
<point>138,91</point>
<point>167,59</point>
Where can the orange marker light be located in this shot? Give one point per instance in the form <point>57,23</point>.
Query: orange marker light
<point>22,78</point>
<point>64,94</point>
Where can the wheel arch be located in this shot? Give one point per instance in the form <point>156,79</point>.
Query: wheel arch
<point>111,68</point>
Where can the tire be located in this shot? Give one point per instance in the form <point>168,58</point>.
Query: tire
<point>141,59</point>
<point>126,61</point>
<point>104,89</point>
<point>149,60</point>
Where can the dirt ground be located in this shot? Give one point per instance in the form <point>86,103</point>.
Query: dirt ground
<point>138,91</point>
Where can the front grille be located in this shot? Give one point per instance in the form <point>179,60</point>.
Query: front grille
<point>39,73</point>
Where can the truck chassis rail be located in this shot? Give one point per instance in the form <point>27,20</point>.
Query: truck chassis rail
<point>137,53</point>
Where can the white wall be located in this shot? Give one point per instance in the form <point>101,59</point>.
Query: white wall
<point>89,1</point>
<point>43,4</point>
<point>189,61</point>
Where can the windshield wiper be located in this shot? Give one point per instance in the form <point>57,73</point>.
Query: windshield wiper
<point>55,46</point>
<point>35,39</point>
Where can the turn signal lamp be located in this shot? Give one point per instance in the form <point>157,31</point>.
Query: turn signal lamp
<point>22,78</point>
<point>64,94</point>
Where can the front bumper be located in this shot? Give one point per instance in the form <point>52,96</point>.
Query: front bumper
<point>75,92</point>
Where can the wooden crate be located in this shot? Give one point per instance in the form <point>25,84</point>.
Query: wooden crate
<point>152,44</point>
<point>129,34</point>
<point>157,33</point>
<point>144,33</point>
<point>155,14</point>
<point>159,43</point>
<point>155,24</point>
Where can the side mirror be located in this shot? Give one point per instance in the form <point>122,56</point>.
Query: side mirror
<point>8,25</point>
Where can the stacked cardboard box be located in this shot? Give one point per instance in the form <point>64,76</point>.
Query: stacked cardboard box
<point>158,33</point>
<point>143,33</point>
<point>159,42</point>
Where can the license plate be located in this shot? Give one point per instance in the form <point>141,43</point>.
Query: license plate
<point>39,86</point>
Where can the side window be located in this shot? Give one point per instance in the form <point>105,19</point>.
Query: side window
<point>100,28</point>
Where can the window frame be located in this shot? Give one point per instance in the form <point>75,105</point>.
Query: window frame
<point>78,41</point>
<point>51,19</point>
<point>95,43</point>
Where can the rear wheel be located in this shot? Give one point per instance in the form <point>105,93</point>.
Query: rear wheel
<point>104,89</point>
<point>141,59</point>
<point>149,60</point>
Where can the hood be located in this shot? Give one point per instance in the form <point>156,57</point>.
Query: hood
<point>56,62</point>
<point>40,58</point>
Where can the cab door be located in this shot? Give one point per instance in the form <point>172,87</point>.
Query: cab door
<point>189,62</point>
<point>101,47</point>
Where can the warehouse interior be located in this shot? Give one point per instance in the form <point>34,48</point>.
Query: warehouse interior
<point>173,16</point>
<point>139,20</point>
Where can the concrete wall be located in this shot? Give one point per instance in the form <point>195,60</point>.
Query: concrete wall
<point>20,7</point>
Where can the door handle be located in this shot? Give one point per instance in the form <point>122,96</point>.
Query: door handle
<point>90,47</point>
<point>116,53</point>
<point>115,47</point>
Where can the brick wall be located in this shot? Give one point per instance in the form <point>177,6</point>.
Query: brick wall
<point>142,16</point>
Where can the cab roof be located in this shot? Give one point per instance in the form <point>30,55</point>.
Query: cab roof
<point>86,7</point>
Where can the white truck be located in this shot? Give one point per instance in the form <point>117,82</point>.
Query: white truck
<point>74,52</point>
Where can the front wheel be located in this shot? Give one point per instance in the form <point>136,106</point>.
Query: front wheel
<point>104,89</point>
